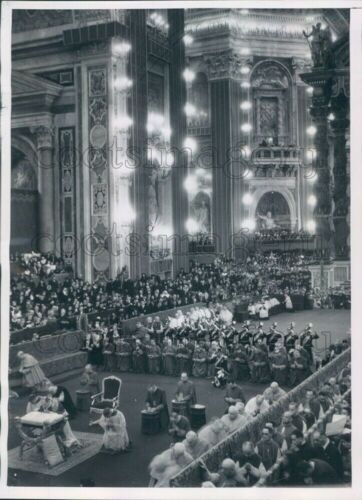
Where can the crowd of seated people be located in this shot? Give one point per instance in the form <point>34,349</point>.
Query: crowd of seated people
<point>35,302</point>
<point>298,449</point>
<point>337,297</point>
<point>270,235</point>
<point>40,264</point>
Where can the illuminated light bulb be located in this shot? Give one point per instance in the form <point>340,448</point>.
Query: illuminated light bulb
<point>127,214</point>
<point>311,154</point>
<point>312,130</point>
<point>246,127</point>
<point>331,117</point>
<point>312,200</point>
<point>312,177</point>
<point>192,226</point>
<point>248,224</point>
<point>188,75</point>
<point>247,199</point>
<point>245,85</point>
<point>123,83</point>
<point>200,172</point>
<point>248,174</point>
<point>311,226</point>
<point>166,132</point>
<point>245,51</point>
<point>244,70</point>
<point>170,159</point>
<point>244,12</point>
<point>122,48</point>
<point>190,109</point>
<point>334,37</point>
<point>190,184</point>
<point>190,143</point>
<point>245,105</point>
<point>245,152</point>
<point>123,122</point>
<point>309,90</point>
<point>188,39</point>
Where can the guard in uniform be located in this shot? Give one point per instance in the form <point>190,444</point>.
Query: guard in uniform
<point>273,337</point>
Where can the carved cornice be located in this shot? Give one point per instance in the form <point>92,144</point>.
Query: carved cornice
<point>226,65</point>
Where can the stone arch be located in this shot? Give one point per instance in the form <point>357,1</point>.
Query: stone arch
<point>285,192</point>
<point>24,195</point>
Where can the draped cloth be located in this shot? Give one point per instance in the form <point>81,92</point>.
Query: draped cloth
<point>115,436</point>
<point>33,375</point>
<point>64,397</point>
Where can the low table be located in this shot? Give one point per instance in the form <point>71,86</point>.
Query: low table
<point>151,422</point>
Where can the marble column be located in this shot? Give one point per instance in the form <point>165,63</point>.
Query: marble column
<point>44,139</point>
<point>228,168</point>
<point>340,124</point>
<point>139,248</point>
<point>178,126</point>
<point>321,83</point>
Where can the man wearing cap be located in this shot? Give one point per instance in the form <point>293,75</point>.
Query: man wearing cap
<point>291,337</point>
<point>273,337</point>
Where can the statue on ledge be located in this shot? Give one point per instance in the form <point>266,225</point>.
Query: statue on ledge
<point>321,46</point>
<point>268,221</point>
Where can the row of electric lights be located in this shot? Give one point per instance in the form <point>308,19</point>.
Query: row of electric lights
<point>159,21</point>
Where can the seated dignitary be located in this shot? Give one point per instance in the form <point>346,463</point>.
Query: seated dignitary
<point>167,464</point>
<point>251,462</point>
<point>179,426</point>
<point>194,445</point>
<point>156,401</point>
<point>234,393</point>
<point>186,390</point>
<point>232,420</point>
<point>256,405</point>
<point>214,432</point>
<point>228,476</point>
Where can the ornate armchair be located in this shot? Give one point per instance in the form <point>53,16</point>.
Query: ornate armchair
<point>108,398</point>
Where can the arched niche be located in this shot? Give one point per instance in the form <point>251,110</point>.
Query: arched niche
<point>24,199</point>
<point>198,96</point>
<point>271,86</point>
<point>279,201</point>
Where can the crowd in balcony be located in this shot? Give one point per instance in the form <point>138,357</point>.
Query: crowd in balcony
<point>281,234</point>
<point>35,300</point>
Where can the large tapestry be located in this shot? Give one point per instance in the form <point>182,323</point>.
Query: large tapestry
<point>269,116</point>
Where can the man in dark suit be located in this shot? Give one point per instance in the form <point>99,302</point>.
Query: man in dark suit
<point>156,399</point>
<point>317,472</point>
<point>324,449</point>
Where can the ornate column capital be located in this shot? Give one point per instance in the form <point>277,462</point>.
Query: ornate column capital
<point>44,136</point>
<point>226,65</point>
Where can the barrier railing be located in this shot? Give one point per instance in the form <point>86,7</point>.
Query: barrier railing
<point>191,475</point>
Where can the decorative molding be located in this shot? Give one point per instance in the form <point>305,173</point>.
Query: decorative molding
<point>226,65</point>
<point>67,193</point>
<point>26,20</point>
<point>44,136</point>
